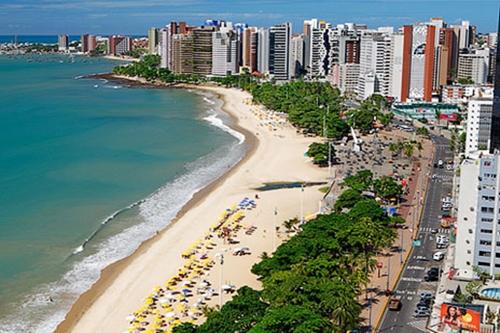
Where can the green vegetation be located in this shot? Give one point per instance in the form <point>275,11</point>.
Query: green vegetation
<point>313,281</point>
<point>422,131</point>
<point>319,153</point>
<point>467,80</point>
<point>406,147</point>
<point>314,107</point>
<point>137,53</point>
<point>385,188</point>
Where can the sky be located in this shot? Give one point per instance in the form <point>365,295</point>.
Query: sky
<point>47,17</point>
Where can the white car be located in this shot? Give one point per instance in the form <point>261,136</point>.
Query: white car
<point>438,256</point>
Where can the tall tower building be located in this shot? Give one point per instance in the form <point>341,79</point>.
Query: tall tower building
<point>418,62</point>
<point>202,50</point>
<point>153,41</point>
<point>84,43</point>
<point>224,52</point>
<point>63,43</point>
<point>495,121</point>
<point>263,50</point>
<point>279,51</point>
<point>297,55</point>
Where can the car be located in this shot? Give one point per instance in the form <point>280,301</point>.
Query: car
<point>441,246</point>
<point>424,302</point>
<point>426,295</point>
<point>434,231</point>
<point>447,200</point>
<point>422,313</point>
<point>395,303</point>
<point>431,278</point>
<point>435,165</point>
<point>438,256</point>
<point>423,307</point>
<point>449,294</point>
<point>442,239</point>
<point>421,258</point>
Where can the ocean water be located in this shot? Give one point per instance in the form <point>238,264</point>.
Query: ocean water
<point>88,170</point>
<point>41,39</point>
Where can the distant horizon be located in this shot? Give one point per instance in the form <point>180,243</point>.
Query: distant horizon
<point>130,17</point>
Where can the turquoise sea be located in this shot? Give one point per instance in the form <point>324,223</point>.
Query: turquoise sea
<point>88,170</point>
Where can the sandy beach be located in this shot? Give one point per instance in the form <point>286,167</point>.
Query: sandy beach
<point>275,154</point>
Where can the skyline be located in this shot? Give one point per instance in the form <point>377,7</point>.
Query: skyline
<point>49,17</point>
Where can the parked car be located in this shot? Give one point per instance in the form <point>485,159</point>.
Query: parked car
<point>426,295</point>
<point>438,256</point>
<point>422,313</point>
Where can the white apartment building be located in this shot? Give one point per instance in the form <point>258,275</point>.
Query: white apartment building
<point>478,227</point>
<point>479,114</point>
<point>297,55</point>
<point>263,50</point>
<point>224,53</point>
<point>474,66</point>
<point>165,47</point>
<point>396,66</point>
<point>374,64</point>
<point>348,78</point>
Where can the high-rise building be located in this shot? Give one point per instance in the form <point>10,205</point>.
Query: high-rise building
<point>279,51</point>
<point>63,43</point>
<point>396,66</point>
<point>202,50</point>
<point>119,45</point>
<point>263,50</point>
<point>474,65</point>
<point>375,64</point>
<point>84,43</point>
<point>297,55</point>
<point>248,56</point>
<point>153,40</point>
<point>479,112</point>
<point>418,62</point>
<point>495,121</point>
<point>182,53</point>
<point>477,227</point>
<point>92,43</point>
<point>224,52</point>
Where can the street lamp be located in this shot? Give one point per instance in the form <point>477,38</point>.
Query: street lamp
<point>302,203</point>
<point>221,261</point>
<point>402,246</point>
<point>274,228</point>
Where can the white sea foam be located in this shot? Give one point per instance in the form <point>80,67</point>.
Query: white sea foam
<point>214,120</point>
<point>45,308</point>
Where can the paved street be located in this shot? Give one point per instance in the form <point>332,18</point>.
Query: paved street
<point>412,279</point>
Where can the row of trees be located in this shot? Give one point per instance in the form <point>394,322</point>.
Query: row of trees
<point>320,152</point>
<point>385,188</point>
<point>314,107</point>
<point>312,282</point>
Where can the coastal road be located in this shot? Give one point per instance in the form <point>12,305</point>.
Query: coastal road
<point>412,283</point>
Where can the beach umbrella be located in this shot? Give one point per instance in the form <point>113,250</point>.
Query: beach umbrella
<point>170,314</point>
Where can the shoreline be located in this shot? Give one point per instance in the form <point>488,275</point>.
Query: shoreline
<point>122,287</point>
<point>111,272</point>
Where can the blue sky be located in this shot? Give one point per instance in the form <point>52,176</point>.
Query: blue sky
<point>135,16</point>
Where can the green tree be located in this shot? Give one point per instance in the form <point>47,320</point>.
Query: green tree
<point>319,153</point>
<point>292,319</point>
<point>361,181</point>
<point>347,199</point>
<point>388,188</point>
<point>422,131</point>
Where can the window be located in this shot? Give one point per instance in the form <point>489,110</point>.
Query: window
<point>482,263</point>
<point>486,231</point>
<point>486,219</point>
<point>484,253</point>
<point>468,252</point>
<point>467,263</point>
<point>467,241</point>
<point>484,242</point>
<point>487,209</point>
